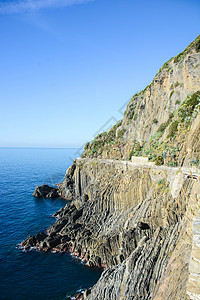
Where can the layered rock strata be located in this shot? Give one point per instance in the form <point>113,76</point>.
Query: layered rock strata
<point>130,220</point>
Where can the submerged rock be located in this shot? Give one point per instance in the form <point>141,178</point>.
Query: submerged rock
<point>45,191</point>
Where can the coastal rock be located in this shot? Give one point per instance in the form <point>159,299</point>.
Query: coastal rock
<point>32,241</point>
<point>129,223</point>
<point>45,191</point>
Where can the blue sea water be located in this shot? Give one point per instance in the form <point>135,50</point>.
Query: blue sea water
<point>34,275</point>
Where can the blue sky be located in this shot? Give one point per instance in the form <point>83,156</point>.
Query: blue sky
<point>68,67</point>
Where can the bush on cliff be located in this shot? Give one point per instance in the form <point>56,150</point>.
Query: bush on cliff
<point>159,161</point>
<point>187,108</point>
<point>173,128</point>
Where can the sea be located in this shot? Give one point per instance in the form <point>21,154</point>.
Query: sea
<point>32,274</point>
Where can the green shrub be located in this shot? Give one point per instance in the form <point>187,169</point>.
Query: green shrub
<point>188,106</point>
<point>176,84</point>
<point>172,163</point>
<point>155,121</point>
<point>152,157</point>
<point>137,153</point>
<point>148,151</point>
<point>96,147</point>
<point>131,109</point>
<point>111,134</point>
<point>120,134</point>
<point>179,57</point>
<point>177,102</point>
<point>138,147</point>
<point>86,146</point>
<point>159,161</point>
<point>173,151</point>
<point>135,116</point>
<point>162,127</point>
<point>197,46</point>
<point>173,128</point>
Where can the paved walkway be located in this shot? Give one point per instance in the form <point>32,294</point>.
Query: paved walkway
<point>193,172</point>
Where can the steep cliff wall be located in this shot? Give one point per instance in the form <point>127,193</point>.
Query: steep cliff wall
<point>157,120</point>
<point>133,220</point>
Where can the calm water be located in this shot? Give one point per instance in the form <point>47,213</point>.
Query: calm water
<point>34,275</point>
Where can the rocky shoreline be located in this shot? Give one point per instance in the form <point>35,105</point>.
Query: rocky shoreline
<point>121,220</point>
<point>52,241</point>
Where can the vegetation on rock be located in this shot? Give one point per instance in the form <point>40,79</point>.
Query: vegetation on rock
<point>105,139</point>
<point>159,161</point>
<point>195,45</point>
<point>167,138</point>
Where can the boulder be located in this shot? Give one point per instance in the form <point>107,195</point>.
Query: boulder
<point>45,191</point>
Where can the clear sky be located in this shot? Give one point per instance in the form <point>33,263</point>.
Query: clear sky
<point>67,67</point>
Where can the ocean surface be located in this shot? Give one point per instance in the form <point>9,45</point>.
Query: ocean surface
<point>34,275</point>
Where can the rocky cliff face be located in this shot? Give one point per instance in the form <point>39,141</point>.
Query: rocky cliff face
<point>133,220</point>
<point>137,221</point>
<point>158,115</point>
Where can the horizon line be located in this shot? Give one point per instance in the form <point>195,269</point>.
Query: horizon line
<point>27,147</point>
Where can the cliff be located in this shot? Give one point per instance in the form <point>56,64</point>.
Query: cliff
<point>134,220</point>
<point>158,121</point>
<point>139,221</point>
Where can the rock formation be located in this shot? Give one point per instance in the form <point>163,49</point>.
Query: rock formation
<point>137,220</point>
<point>45,191</point>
